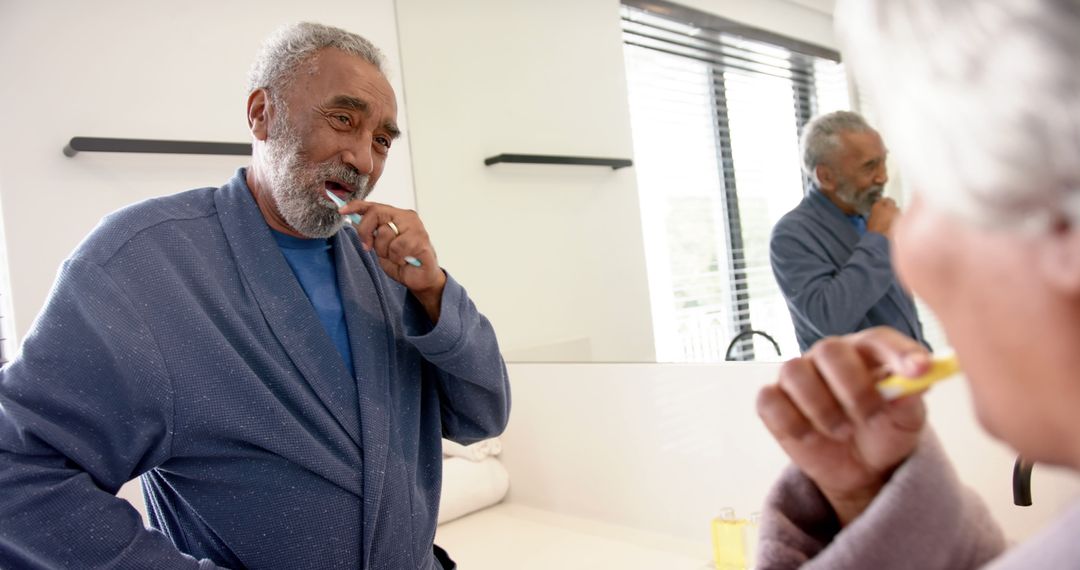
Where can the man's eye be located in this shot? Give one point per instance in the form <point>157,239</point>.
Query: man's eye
<point>384,141</point>
<point>343,119</point>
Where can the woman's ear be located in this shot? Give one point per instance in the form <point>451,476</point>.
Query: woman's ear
<point>1058,253</point>
<point>258,113</point>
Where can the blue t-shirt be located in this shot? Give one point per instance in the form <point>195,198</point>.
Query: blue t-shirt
<point>313,264</point>
<point>859,221</point>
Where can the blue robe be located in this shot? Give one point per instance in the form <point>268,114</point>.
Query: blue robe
<point>834,281</point>
<point>178,345</point>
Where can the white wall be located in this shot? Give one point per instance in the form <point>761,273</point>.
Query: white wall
<point>663,447</point>
<point>133,69</point>
<point>552,254</point>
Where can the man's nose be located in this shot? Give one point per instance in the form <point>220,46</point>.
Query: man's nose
<point>359,155</point>
<point>882,175</point>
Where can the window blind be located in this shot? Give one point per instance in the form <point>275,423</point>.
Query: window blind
<point>716,110</point>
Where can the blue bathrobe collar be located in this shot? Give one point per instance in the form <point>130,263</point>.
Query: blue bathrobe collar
<point>361,404</point>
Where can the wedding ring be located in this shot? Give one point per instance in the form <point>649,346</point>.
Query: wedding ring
<point>393,227</point>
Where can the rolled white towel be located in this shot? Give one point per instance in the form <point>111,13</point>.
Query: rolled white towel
<point>475,452</point>
<point>469,486</point>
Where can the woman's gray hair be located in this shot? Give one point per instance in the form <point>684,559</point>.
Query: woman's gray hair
<point>292,46</point>
<point>979,99</point>
<point>821,137</point>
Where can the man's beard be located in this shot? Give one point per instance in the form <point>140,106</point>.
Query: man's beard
<point>861,202</point>
<point>298,187</point>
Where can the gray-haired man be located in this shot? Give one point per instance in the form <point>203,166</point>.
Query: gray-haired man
<point>830,254</point>
<point>279,382</point>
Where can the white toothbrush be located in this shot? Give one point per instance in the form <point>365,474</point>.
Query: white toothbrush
<point>355,219</point>
<point>352,218</point>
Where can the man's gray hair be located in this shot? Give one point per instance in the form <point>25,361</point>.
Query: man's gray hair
<point>292,46</point>
<point>821,137</point>
<point>980,100</point>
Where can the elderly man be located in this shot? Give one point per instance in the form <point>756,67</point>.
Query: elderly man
<point>279,380</point>
<point>982,101</point>
<point>830,255</point>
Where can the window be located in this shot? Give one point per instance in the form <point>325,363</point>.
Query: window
<point>716,110</point>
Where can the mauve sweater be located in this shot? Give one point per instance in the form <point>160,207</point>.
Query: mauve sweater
<point>923,519</point>
<point>177,345</point>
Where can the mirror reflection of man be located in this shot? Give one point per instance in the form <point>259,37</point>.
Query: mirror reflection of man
<point>830,255</point>
<point>280,380</point>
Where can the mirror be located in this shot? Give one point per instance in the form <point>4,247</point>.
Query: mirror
<point>553,254</point>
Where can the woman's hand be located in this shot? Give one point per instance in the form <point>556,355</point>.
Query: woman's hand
<point>827,415</point>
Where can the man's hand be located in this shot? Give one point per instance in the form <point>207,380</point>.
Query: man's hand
<point>827,415</point>
<point>395,234</point>
<point>882,215</point>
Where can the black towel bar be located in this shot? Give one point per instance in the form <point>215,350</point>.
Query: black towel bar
<point>96,144</point>
<point>614,163</point>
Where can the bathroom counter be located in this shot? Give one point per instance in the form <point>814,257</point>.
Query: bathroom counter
<point>525,538</point>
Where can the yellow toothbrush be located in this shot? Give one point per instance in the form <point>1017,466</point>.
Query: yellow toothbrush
<point>896,386</point>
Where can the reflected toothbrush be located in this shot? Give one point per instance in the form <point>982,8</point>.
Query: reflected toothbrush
<point>355,219</point>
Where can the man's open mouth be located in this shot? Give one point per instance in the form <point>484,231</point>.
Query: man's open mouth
<point>340,190</point>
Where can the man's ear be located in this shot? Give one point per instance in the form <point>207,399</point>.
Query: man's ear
<point>258,113</point>
<point>825,177</point>
<point>1058,257</point>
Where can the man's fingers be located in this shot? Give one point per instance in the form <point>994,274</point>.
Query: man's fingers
<point>394,234</point>
<point>813,398</point>
<point>384,237</point>
<point>373,216</point>
<point>887,203</point>
<point>374,219</point>
<point>381,225</point>
<point>411,245</point>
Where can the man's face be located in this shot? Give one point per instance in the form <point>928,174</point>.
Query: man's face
<point>860,200</point>
<point>331,130</point>
<point>296,184</point>
<point>858,169</point>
